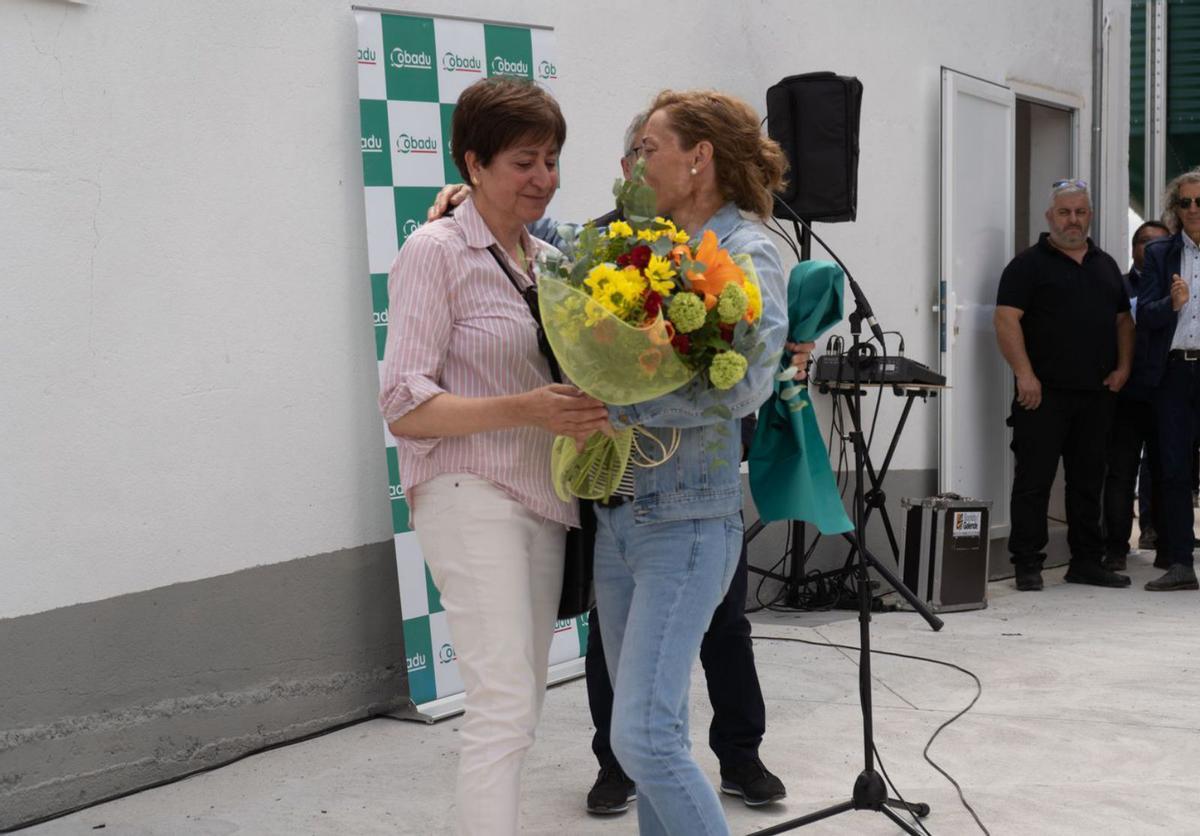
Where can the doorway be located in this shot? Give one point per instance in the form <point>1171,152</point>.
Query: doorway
<point>1045,152</point>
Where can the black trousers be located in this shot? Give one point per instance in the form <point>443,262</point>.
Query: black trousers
<point>1132,428</point>
<point>1177,410</point>
<point>1071,425</point>
<point>739,715</point>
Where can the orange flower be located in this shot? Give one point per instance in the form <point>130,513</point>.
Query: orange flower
<point>679,252</point>
<point>663,335</point>
<point>719,269</point>
<point>649,360</point>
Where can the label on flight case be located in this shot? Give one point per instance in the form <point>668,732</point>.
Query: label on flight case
<point>967,523</point>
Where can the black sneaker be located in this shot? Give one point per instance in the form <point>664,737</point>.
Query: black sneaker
<point>1094,574</point>
<point>1029,579</point>
<point>611,793</point>
<point>752,781</point>
<point>1177,577</point>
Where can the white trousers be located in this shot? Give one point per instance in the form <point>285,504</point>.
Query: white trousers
<point>498,567</point>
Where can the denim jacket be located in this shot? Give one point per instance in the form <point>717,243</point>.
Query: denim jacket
<point>702,478</point>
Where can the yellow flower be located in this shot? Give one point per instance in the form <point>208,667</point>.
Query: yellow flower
<point>660,272</point>
<point>754,303</point>
<point>680,237</point>
<point>619,229</point>
<point>595,313</point>
<point>650,235</point>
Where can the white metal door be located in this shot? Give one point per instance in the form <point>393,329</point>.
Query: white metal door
<point>977,212</point>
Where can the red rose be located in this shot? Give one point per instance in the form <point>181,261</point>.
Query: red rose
<point>727,333</point>
<point>639,256</point>
<point>653,304</point>
<point>682,343</point>
<point>623,260</point>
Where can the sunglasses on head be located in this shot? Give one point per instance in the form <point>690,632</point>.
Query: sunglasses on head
<point>1079,184</point>
<point>1186,202</point>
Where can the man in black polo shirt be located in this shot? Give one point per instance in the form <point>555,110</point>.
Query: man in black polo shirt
<point>1063,324</point>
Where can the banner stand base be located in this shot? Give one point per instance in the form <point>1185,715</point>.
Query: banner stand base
<point>434,710</point>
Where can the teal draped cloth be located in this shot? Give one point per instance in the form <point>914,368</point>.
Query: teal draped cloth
<point>790,476</point>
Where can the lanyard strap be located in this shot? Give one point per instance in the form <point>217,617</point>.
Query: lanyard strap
<point>529,294</point>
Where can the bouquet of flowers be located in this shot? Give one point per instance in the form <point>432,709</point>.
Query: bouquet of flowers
<point>638,309</point>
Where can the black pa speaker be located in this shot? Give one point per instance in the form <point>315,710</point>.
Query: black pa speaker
<point>814,117</point>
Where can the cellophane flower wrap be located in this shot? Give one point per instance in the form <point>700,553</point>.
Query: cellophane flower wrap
<point>638,309</point>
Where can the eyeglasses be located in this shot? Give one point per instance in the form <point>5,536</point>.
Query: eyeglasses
<point>1079,184</point>
<point>1186,202</point>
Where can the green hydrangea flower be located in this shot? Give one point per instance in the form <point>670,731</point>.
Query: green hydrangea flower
<point>686,312</point>
<point>728,367</point>
<point>731,304</point>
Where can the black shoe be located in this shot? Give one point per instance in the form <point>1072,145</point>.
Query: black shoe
<point>1029,580</point>
<point>1177,577</point>
<point>752,781</point>
<point>1115,563</point>
<point>1147,540</point>
<point>611,793</point>
<point>1094,574</point>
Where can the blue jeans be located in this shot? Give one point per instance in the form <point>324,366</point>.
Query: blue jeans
<point>657,585</point>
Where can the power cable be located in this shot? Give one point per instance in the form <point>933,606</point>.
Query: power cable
<point>937,731</point>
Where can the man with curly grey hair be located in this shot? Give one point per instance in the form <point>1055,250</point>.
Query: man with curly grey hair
<point>1168,326</point>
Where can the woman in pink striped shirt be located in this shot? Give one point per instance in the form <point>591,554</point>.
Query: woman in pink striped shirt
<point>469,397</point>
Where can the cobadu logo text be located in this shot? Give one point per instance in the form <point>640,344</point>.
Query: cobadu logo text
<point>502,66</point>
<point>381,321</point>
<point>547,71</point>
<point>455,63</point>
<point>394,491</point>
<point>446,654</point>
<point>367,56</point>
<point>409,144</point>
<point>402,59</point>
<point>372,144</point>
<point>409,227</point>
<point>560,626</point>
<point>416,662</point>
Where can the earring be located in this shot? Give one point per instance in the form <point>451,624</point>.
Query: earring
<point>694,171</point>
<point>474,181</point>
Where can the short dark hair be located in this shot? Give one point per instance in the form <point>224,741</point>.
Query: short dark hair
<point>1137,233</point>
<point>496,113</point>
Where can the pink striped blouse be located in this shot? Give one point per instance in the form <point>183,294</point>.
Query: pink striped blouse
<point>455,324</point>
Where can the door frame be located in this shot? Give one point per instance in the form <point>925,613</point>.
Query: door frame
<point>954,82</point>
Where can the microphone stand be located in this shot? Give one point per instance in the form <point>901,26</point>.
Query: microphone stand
<point>870,790</point>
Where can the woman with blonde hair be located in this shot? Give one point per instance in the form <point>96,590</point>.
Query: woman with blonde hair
<point>667,549</point>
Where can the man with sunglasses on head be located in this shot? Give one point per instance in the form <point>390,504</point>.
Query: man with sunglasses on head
<point>1168,327</point>
<point>1063,325</point>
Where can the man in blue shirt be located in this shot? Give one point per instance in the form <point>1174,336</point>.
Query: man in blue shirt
<point>1169,364</point>
<point>1133,428</point>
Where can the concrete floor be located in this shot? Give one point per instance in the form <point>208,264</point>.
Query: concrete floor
<point>1089,723</point>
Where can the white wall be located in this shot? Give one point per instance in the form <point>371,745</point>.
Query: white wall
<point>188,377</point>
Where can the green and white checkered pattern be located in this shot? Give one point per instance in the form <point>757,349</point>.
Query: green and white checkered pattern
<point>410,73</point>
